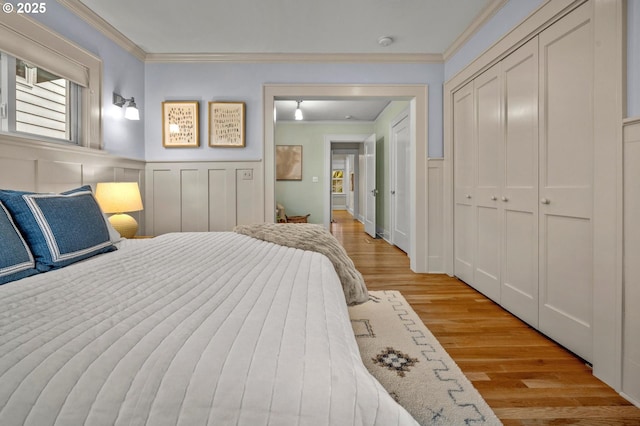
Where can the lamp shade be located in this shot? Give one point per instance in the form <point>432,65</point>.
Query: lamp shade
<point>132,113</point>
<point>119,197</point>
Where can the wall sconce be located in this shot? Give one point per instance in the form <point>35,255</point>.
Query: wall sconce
<point>131,110</point>
<point>298,114</point>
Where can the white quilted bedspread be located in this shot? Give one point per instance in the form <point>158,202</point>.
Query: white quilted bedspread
<point>186,329</point>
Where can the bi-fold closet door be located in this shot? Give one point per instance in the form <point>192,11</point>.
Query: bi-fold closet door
<point>496,182</point>
<point>523,172</point>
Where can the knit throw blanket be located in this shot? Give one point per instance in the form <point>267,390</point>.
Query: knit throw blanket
<point>312,237</point>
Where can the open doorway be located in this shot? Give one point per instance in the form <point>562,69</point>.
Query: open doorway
<point>345,179</point>
<point>417,97</point>
<point>359,145</point>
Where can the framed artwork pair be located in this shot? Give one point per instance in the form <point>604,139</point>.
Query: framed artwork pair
<point>180,124</point>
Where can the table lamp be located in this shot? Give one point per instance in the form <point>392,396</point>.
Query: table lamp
<point>119,198</point>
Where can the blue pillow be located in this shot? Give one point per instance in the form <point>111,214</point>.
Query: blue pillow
<point>60,229</point>
<point>16,260</point>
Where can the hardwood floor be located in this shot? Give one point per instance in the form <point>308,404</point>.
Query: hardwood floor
<point>526,378</point>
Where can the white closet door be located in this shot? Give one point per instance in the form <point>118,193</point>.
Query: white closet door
<point>519,293</point>
<point>489,170</point>
<point>463,152</point>
<point>566,180</point>
<point>370,183</point>
<point>400,202</point>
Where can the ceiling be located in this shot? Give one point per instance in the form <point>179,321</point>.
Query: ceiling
<point>289,26</point>
<point>331,110</point>
<point>295,27</point>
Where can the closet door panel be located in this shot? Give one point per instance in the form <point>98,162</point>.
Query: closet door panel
<point>519,292</point>
<point>464,159</point>
<point>489,167</point>
<point>566,180</point>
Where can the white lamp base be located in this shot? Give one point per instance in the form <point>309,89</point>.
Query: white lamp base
<point>124,224</point>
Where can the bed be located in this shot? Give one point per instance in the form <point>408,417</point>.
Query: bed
<point>181,329</point>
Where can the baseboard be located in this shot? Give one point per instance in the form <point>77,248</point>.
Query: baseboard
<point>630,399</point>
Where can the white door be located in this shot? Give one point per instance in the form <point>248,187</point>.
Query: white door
<point>370,185</point>
<point>464,159</point>
<point>400,208</point>
<point>519,274</point>
<point>488,177</point>
<point>566,182</point>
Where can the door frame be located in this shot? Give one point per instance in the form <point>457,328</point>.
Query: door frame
<point>417,94</point>
<point>404,114</point>
<point>328,141</point>
<point>350,152</point>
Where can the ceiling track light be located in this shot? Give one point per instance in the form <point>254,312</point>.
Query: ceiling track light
<point>298,114</point>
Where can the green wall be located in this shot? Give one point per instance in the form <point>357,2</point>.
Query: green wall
<point>302,197</point>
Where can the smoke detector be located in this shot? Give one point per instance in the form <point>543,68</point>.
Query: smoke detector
<point>385,41</point>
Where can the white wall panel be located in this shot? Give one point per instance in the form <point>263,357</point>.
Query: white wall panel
<point>246,193</point>
<point>17,174</point>
<point>435,216</point>
<point>203,196</point>
<point>52,167</point>
<point>190,197</point>
<point>164,214</point>
<point>631,326</point>
<point>219,203</point>
<point>57,176</point>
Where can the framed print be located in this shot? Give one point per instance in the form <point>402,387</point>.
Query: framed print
<point>288,162</point>
<point>226,124</point>
<point>180,124</point>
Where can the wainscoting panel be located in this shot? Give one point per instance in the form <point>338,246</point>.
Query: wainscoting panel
<point>435,230</point>
<point>190,196</point>
<point>27,165</point>
<point>17,174</point>
<point>631,279</point>
<point>221,202</point>
<point>203,196</point>
<point>60,175</point>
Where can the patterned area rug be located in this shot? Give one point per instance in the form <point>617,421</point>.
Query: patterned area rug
<point>410,363</point>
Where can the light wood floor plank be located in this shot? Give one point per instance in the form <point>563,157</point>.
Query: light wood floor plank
<point>525,377</point>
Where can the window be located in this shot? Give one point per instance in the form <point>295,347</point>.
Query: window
<point>50,89</point>
<point>337,182</point>
<point>38,102</point>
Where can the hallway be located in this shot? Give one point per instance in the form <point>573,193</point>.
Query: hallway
<point>525,377</point>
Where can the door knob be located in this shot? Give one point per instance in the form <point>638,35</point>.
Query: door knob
<point>505,199</point>
<point>468,196</point>
<point>493,198</point>
<point>545,201</point>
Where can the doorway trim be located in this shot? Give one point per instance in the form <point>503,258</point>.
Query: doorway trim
<point>328,140</point>
<point>417,95</point>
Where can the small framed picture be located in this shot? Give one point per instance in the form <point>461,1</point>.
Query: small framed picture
<point>226,124</point>
<point>180,128</point>
<point>288,162</point>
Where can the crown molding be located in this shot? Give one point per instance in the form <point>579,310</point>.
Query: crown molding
<point>104,27</point>
<point>419,58</point>
<point>482,18</point>
<point>121,40</point>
